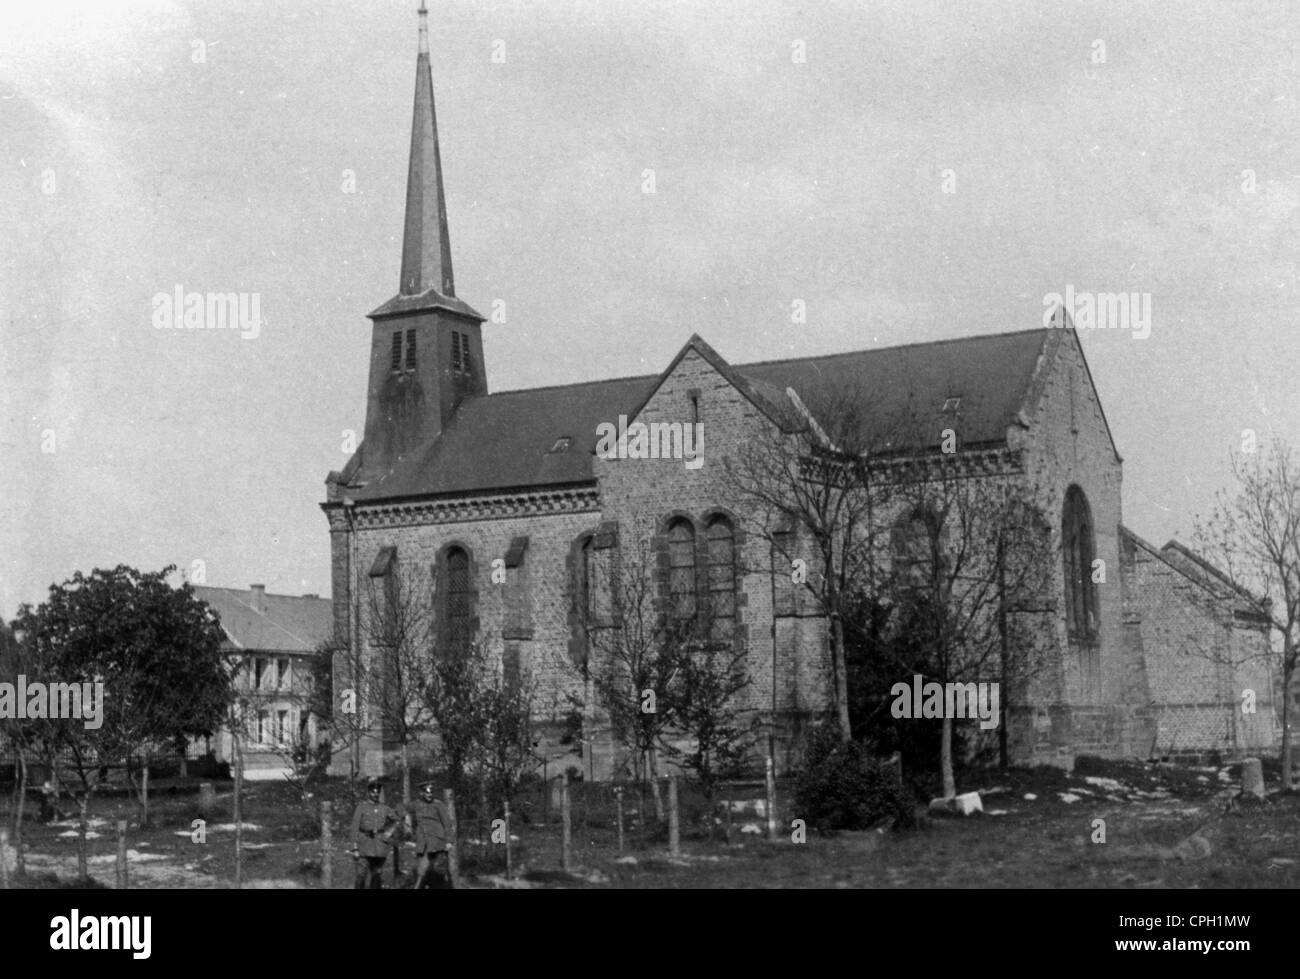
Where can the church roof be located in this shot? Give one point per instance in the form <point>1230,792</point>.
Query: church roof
<point>515,440</point>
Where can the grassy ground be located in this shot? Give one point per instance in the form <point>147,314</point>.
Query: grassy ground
<point>1163,827</point>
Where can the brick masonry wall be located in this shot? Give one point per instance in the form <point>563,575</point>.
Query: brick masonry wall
<point>1067,443</point>
<point>642,494</point>
<point>1197,661</point>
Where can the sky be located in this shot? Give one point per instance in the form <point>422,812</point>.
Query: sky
<point>903,170</point>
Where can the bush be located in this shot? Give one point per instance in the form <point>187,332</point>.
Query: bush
<point>842,787</point>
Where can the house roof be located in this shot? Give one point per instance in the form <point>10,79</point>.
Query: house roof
<point>288,624</point>
<point>507,441</point>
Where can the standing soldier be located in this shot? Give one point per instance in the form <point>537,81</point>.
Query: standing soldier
<point>429,825</point>
<point>373,825</point>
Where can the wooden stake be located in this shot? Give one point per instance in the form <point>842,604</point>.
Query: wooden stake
<point>771,800</point>
<point>618,809</point>
<point>453,843</point>
<point>4,859</point>
<point>122,881</point>
<point>326,847</point>
<point>508,863</point>
<point>674,828</point>
<point>566,825</point>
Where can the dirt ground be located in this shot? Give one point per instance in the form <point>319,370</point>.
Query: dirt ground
<point>1108,825</point>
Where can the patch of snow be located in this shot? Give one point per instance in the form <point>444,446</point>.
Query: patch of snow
<point>1068,797</point>
<point>230,828</point>
<point>1030,796</point>
<point>132,856</point>
<point>91,823</point>
<point>752,828</point>
<point>996,812</point>
<point>72,834</point>
<point>1105,783</point>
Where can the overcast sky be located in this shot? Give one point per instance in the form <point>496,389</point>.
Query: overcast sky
<point>800,151</point>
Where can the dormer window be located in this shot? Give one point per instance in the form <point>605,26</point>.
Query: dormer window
<point>952,404</point>
<point>561,444</point>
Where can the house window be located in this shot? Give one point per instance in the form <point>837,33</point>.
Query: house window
<point>410,350</point>
<point>681,568</point>
<point>282,727</point>
<point>259,671</point>
<point>281,674</point>
<point>722,579</point>
<point>459,603</point>
<point>263,727</point>
<point>1079,551</point>
<point>397,351</point>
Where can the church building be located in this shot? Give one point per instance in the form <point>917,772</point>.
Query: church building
<point>505,502</point>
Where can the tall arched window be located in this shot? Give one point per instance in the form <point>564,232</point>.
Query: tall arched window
<point>1079,552</point>
<point>681,568</point>
<point>919,541</point>
<point>722,579</point>
<point>459,607</point>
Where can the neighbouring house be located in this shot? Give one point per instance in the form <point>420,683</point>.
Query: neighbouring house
<point>272,639</point>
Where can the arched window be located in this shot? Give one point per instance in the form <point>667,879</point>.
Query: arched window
<point>919,543</point>
<point>681,568</point>
<point>722,579</point>
<point>1079,552</point>
<point>459,603</point>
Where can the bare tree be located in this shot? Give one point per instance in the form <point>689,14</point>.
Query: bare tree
<point>1253,535</point>
<point>399,629</point>
<point>970,550</point>
<point>705,707</point>
<point>809,482</point>
<point>639,646</point>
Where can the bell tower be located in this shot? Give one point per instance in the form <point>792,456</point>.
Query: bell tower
<point>426,349</point>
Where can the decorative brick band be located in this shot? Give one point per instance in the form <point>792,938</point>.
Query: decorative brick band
<point>503,507</point>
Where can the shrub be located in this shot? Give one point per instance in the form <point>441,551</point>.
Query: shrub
<point>842,787</point>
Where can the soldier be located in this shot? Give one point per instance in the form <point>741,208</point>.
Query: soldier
<point>373,825</point>
<point>430,826</point>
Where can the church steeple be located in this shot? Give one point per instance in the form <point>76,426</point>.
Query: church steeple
<point>426,245</point>
<point>426,349</point>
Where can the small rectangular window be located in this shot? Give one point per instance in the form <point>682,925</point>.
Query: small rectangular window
<point>465,365</point>
<point>397,351</point>
<point>410,350</point>
<point>455,351</point>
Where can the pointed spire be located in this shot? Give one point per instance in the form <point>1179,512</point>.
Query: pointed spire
<point>426,245</point>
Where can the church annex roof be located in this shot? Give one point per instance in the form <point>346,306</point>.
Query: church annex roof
<point>515,440</point>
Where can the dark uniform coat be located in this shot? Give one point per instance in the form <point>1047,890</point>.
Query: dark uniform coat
<point>371,821</point>
<point>429,820</point>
